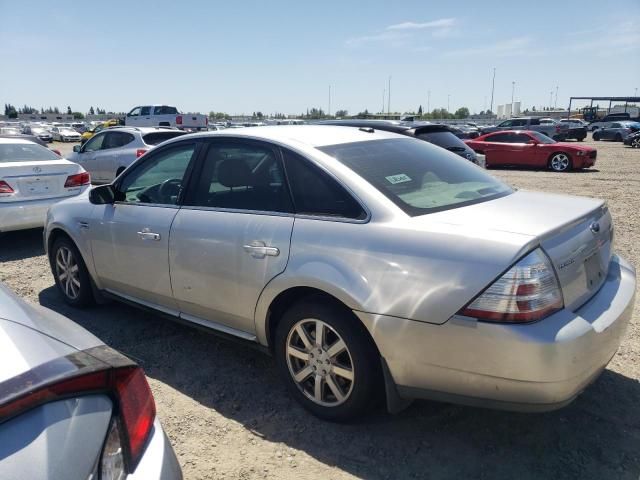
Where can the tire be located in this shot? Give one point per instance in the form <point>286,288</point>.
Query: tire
<point>618,137</point>
<point>581,139</point>
<point>635,143</point>
<point>77,290</point>
<point>596,136</point>
<point>354,373</point>
<point>560,162</point>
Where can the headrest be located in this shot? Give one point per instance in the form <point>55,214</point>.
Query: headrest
<point>234,173</point>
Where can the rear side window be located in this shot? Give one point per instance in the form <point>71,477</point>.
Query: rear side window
<point>416,176</point>
<point>520,123</point>
<point>116,140</point>
<point>155,138</point>
<point>533,121</point>
<point>316,193</point>
<point>164,110</point>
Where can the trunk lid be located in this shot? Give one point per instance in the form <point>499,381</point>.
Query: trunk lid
<point>37,180</point>
<point>575,232</point>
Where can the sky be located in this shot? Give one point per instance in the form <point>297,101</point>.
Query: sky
<point>284,56</point>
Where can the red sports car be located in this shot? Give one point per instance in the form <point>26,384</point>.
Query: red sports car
<point>532,149</point>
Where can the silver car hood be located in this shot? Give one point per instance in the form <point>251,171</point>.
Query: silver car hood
<point>534,214</point>
<point>32,335</point>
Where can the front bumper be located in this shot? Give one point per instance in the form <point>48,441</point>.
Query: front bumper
<point>26,214</point>
<point>159,461</point>
<point>532,367</point>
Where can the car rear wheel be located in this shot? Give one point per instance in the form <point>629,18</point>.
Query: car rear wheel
<point>635,143</point>
<point>327,360</point>
<point>596,136</point>
<point>618,137</point>
<point>560,162</point>
<point>70,273</point>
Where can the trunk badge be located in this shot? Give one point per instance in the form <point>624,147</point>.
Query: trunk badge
<point>37,169</point>
<point>594,227</point>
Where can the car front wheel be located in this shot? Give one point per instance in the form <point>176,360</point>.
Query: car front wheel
<point>70,273</point>
<point>327,360</point>
<point>635,143</point>
<point>560,162</point>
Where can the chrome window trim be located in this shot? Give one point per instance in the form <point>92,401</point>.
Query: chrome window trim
<point>140,204</point>
<point>278,214</point>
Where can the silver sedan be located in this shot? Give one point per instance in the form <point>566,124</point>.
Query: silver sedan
<point>366,262</point>
<point>71,407</point>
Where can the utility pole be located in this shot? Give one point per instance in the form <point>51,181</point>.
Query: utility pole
<point>448,96</point>
<point>635,93</point>
<point>389,98</point>
<point>550,99</point>
<point>555,104</point>
<point>429,100</point>
<point>329,108</point>
<point>384,90</point>
<point>513,90</point>
<point>493,85</point>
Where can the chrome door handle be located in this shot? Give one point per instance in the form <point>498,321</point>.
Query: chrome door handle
<point>260,250</point>
<point>145,234</point>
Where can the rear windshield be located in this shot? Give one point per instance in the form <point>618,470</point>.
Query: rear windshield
<point>444,139</point>
<point>416,176</point>
<point>164,110</point>
<point>158,137</point>
<point>25,152</point>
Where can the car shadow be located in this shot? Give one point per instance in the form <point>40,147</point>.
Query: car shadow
<point>596,437</point>
<point>21,244</point>
<point>516,168</point>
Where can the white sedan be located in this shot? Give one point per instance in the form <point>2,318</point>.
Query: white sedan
<point>65,134</point>
<point>32,178</point>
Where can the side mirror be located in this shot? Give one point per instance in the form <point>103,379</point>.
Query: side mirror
<point>102,195</point>
<point>76,148</point>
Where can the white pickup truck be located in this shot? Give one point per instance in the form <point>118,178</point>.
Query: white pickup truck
<point>165,116</point>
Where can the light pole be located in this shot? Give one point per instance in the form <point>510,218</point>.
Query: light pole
<point>389,98</point>
<point>635,93</point>
<point>550,99</point>
<point>448,95</point>
<point>329,107</point>
<point>429,100</point>
<point>384,90</point>
<point>513,90</point>
<point>493,85</point>
<point>555,104</point>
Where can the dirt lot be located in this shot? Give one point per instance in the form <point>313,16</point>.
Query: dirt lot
<point>228,415</point>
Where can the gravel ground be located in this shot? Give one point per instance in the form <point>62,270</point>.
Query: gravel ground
<point>229,416</point>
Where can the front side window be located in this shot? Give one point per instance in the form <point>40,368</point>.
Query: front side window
<point>316,193</point>
<point>542,138</point>
<point>94,143</point>
<point>498,138</point>
<point>520,123</point>
<point>159,178</point>
<point>241,176</point>
<point>145,111</point>
<point>416,176</point>
<point>520,138</point>
<point>135,112</point>
<point>507,123</point>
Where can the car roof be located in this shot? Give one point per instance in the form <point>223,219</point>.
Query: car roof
<point>311,135</point>
<point>142,130</point>
<point>8,140</point>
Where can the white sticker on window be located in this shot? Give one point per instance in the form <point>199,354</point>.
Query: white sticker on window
<point>399,178</point>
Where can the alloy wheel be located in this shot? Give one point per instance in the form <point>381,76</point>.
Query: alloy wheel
<point>319,362</point>
<point>635,143</point>
<point>560,162</point>
<point>68,272</point>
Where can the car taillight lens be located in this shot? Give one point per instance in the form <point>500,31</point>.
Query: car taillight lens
<point>5,187</point>
<point>77,180</point>
<point>140,152</point>
<point>112,465</point>
<point>528,291</point>
<point>179,120</point>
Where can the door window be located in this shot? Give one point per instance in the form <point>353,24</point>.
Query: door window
<point>519,123</point>
<point>145,111</point>
<point>159,179</point>
<point>116,139</point>
<point>134,113</point>
<point>508,123</point>
<point>241,176</point>
<point>498,138</point>
<point>94,143</point>
<point>520,138</point>
<point>315,193</point>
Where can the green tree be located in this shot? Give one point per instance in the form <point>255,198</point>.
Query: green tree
<point>78,116</point>
<point>69,112</point>
<point>10,111</point>
<point>462,112</point>
<point>342,113</point>
<point>420,110</point>
<point>92,111</point>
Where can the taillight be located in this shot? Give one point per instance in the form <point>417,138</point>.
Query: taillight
<point>140,152</point>
<point>179,120</point>
<point>5,187</point>
<point>134,408</point>
<point>77,180</point>
<point>528,291</point>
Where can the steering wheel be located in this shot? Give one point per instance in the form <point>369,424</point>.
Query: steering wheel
<point>170,187</point>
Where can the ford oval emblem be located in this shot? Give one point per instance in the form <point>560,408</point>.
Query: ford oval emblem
<point>37,169</point>
<point>594,227</point>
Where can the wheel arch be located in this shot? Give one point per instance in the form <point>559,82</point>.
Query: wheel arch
<point>58,231</point>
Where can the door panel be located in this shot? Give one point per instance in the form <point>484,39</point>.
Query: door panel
<point>220,262</point>
<point>130,246</point>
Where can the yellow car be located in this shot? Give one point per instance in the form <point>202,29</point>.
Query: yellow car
<point>101,126</point>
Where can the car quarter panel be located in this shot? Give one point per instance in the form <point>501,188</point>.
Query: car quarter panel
<point>424,272</point>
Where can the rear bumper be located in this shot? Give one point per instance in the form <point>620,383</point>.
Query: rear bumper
<point>159,461</point>
<point>532,367</point>
<point>26,214</point>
